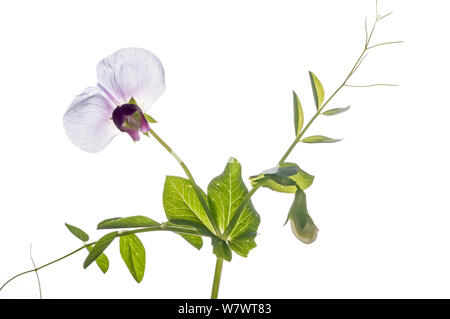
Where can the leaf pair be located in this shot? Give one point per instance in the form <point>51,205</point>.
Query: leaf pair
<point>290,178</point>
<point>101,259</point>
<point>226,193</point>
<point>319,96</point>
<point>131,248</point>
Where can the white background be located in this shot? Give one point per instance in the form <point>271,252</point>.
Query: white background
<point>380,198</point>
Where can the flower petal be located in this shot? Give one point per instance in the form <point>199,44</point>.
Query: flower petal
<point>145,127</point>
<point>132,73</point>
<point>87,121</point>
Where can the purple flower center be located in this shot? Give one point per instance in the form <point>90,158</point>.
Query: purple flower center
<point>129,118</point>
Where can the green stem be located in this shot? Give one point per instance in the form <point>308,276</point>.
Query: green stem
<point>190,177</point>
<point>165,227</point>
<point>297,139</point>
<point>162,227</point>
<point>219,263</point>
<point>343,84</point>
<point>52,262</point>
<point>217,275</point>
<point>247,198</point>
<point>181,230</point>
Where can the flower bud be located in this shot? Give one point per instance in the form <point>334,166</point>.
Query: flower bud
<point>302,224</point>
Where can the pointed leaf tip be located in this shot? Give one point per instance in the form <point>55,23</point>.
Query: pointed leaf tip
<point>149,118</point>
<point>127,222</point>
<point>226,192</point>
<point>99,248</point>
<point>318,91</point>
<point>298,114</point>
<point>102,261</point>
<point>336,111</point>
<point>319,139</point>
<point>77,232</point>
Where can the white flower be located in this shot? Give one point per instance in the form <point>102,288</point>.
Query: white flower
<point>129,81</point>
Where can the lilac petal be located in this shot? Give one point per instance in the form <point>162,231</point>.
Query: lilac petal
<point>134,134</point>
<point>145,127</point>
<point>87,121</point>
<point>129,109</point>
<point>132,73</point>
<point>118,117</point>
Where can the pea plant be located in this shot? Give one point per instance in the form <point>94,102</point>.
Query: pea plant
<point>129,82</point>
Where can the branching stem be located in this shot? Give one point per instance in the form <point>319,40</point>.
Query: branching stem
<point>190,177</point>
<point>241,208</point>
<point>162,227</point>
<point>319,111</point>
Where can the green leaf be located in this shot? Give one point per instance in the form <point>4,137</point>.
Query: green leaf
<point>78,233</point>
<point>221,249</point>
<point>276,181</point>
<point>133,254</point>
<point>318,91</point>
<point>281,174</point>
<point>182,205</point>
<point>298,115</point>
<point>101,261</point>
<point>225,194</point>
<point>335,111</point>
<point>243,244</point>
<point>302,224</point>
<point>132,101</point>
<point>150,119</point>
<point>319,139</point>
<point>127,222</point>
<point>194,240</point>
<point>99,247</point>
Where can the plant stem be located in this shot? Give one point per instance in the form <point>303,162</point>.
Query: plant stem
<point>297,139</point>
<point>217,275</point>
<point>52,262</point>
<point>176,229</point>
<point>162,227</point>
<point>240,209</point>
<point>190,177</point>
<point>247,198</point>
<point>219,262</point>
